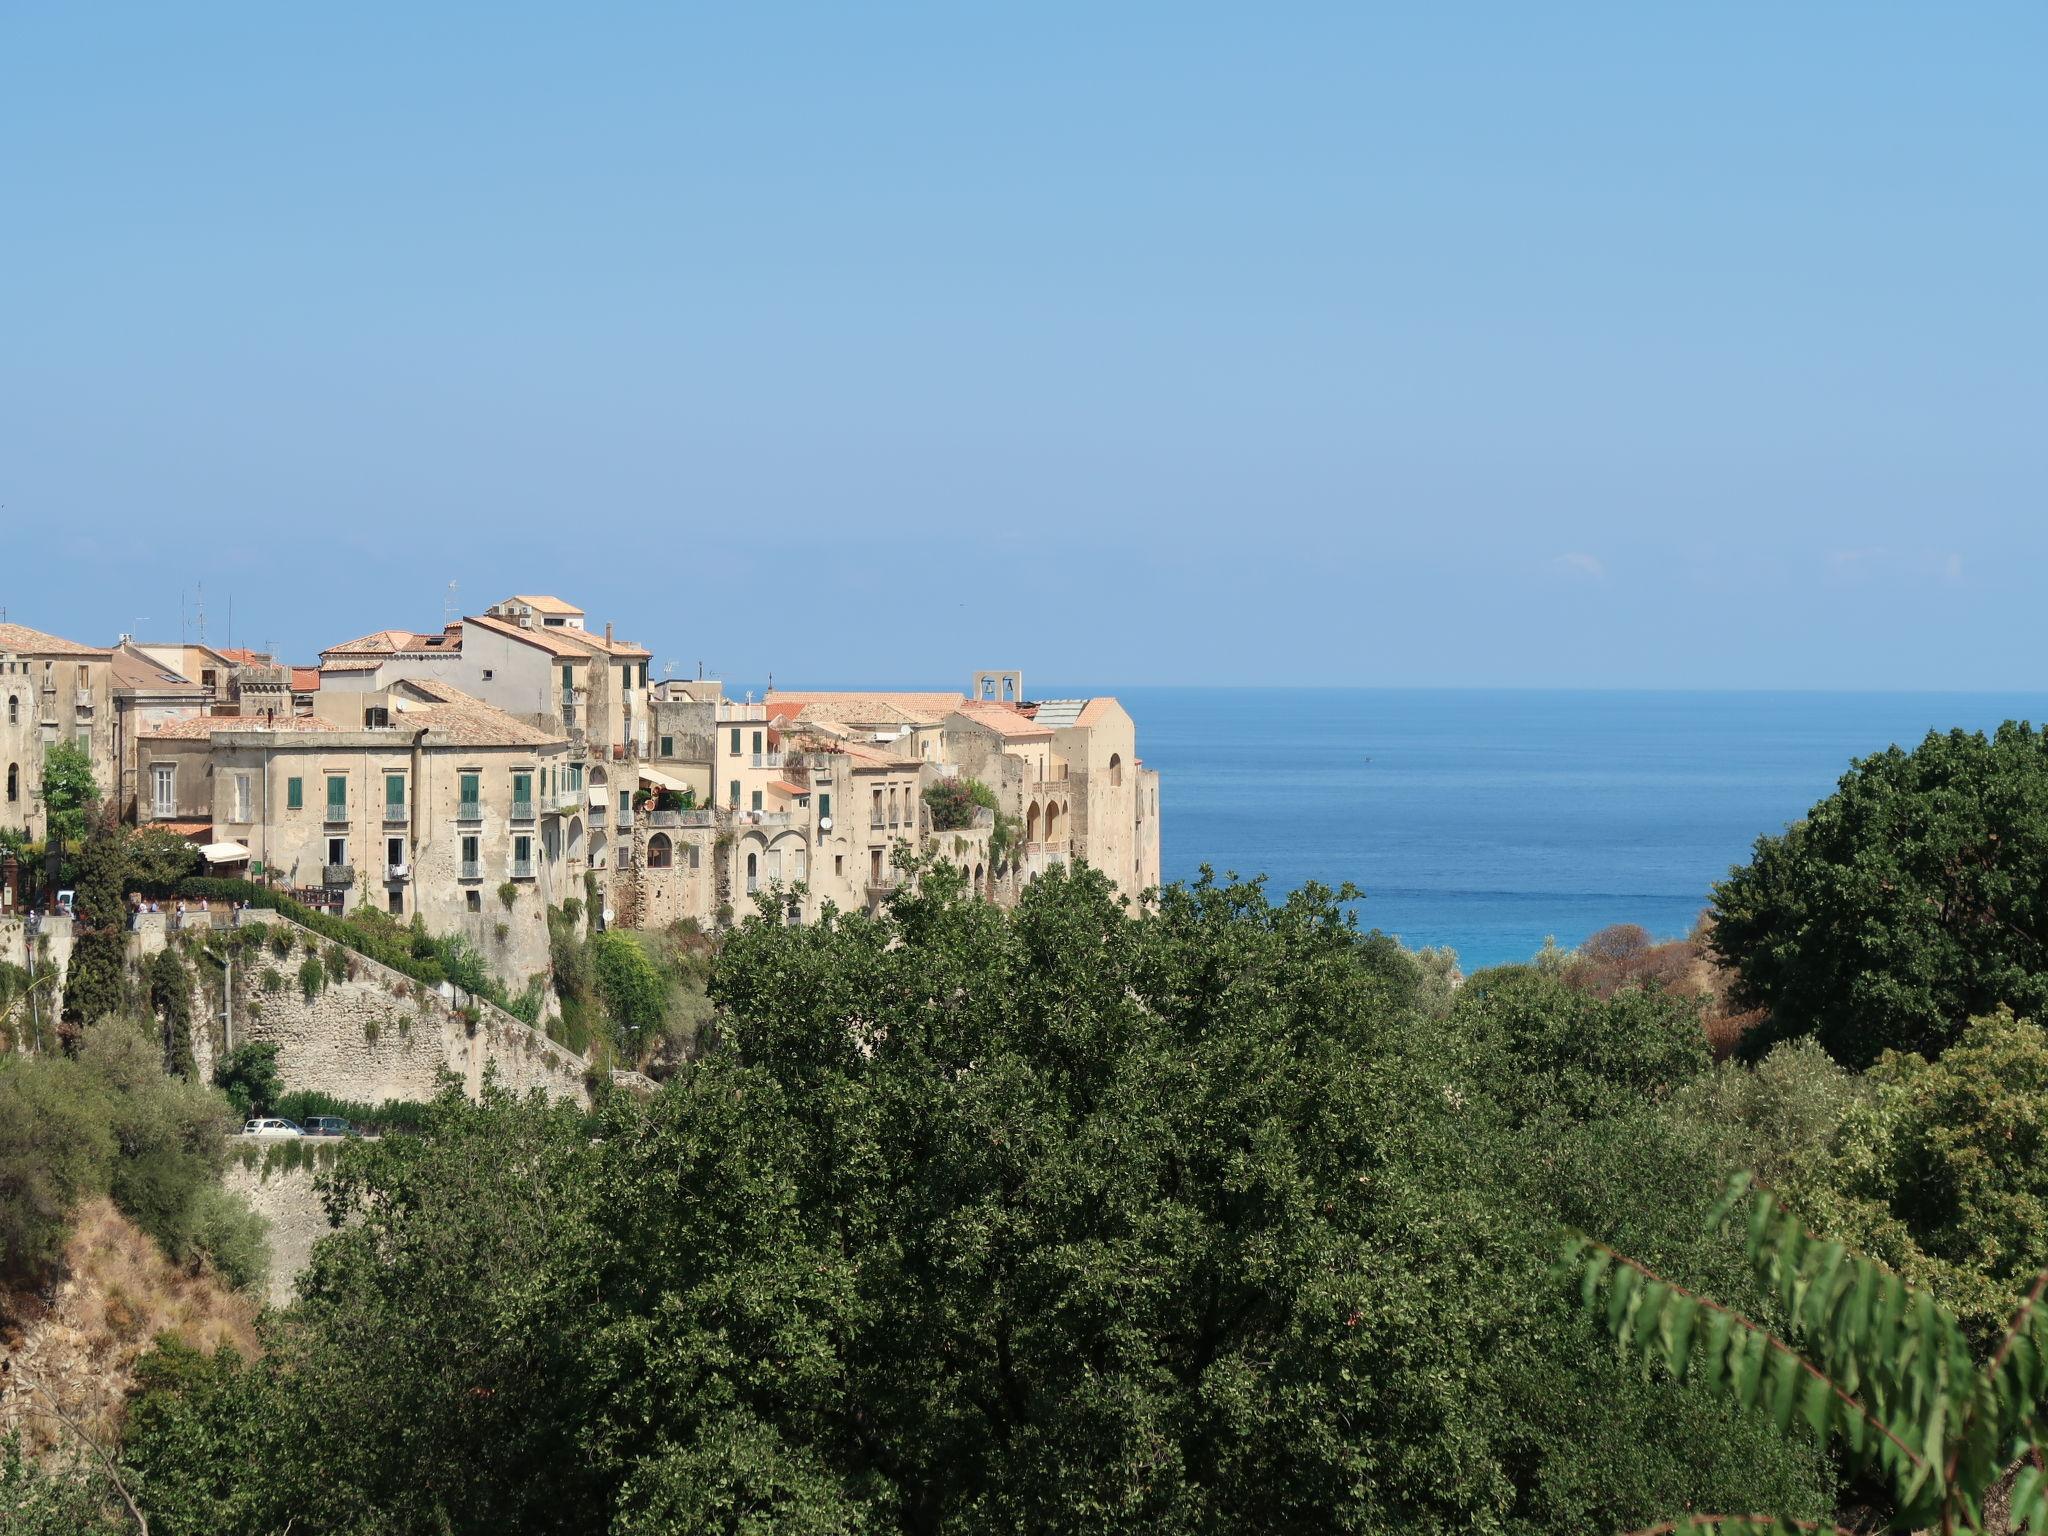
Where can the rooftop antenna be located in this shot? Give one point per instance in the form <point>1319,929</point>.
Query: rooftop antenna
<point>448,609</point>
<point>231,621</point>
<point>200,603</point>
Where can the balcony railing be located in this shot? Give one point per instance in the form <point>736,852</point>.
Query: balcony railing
<point>597,816</point>
<point>469,810</point>
<point>338,875</point>
<point>625,818</point>
<point>337,813</point>
<point>522,869</point>
<point>472,869</point>
<point>767,759</point>
<point>394,813</point>
<point>522,810</point>
<point>568,799</point>
<point>702,816</point>
<point>762,818</point>
<point>395,873</point>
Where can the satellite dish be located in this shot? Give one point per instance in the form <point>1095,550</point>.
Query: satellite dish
<point>824,823</point>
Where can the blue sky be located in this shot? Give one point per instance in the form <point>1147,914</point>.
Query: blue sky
<point>1437,345</point>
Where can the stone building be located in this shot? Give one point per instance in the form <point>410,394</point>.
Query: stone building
<point>417,799</point>
<point>51,690</point>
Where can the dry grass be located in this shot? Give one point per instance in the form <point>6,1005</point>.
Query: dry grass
<point>1625,956</point>
<point>77,1344</point>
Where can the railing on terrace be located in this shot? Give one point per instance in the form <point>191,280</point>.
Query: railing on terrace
<point>337,813</point>
<point>701,816</point>
<point>597,816</point>
<point>469,810</point>
<point>522,810</point>
<point>393,813</point>
<point>522,869</point>
<point>472,869</point>
<point>763,818</point>
<point>767,759</point>
<point>568,799</point>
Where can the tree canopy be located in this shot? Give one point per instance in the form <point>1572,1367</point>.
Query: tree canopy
<point>1909,901</point>
<point>1211,1218</point>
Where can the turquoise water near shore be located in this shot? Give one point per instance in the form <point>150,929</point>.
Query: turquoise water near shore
<point>1488,820</point>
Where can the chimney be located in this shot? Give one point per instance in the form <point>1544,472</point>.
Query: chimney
<point>607,633</point>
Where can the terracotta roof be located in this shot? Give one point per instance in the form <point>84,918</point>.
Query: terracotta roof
<point>305,679</point>
<point>132,669</point>
<point>784,787</point>
<point>892,708</point>
<point>547,605</point>
<point>182,828</point>
<point>386,642</point>
<point>24,641</point>
<point>599,643</point>
<point>199,727</point>
<point>865,756</point>
<point>246,657</point>
<point>458,718</point>
<point>1005,721</point>
<point>549,640</point>
<point>352,664</point>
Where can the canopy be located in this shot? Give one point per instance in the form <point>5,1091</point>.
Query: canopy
<point>224,853</point>
<point>663,780</point>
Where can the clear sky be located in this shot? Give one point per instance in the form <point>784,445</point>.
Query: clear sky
<point>1430,344</point>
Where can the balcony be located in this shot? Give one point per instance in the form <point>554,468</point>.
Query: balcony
<point>700,817</point>
<point>625,818</point>
<point>568,799</point>
<point>767,759</point>
<point>472,869</point>
<point>762,818</point>
<point>597,817</point>
<point>522,810</point>
<point>469,810</point>
<point>569,711</point>
<point>397,874</point>
<point>337,813</point>
<point>394,815</point>
<point>338,876</point>
<point>522,869</point>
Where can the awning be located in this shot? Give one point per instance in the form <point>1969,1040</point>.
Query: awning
<point>600,794</point>
<point>663,780</point>
<point>224,853</point>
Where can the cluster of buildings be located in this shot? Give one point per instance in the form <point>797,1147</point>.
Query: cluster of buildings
<point>518,758</point>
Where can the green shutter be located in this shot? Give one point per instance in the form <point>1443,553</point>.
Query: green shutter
<point>568,678</point>
<point>394,789</point>
<point>337,792</point>
<point>522,788</point>
<point>825,804</point>
<point>472,788</point>
<point>668,746</point>
<point>294,794</point>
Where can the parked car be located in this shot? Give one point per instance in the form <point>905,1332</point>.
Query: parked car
<point>329,1125</point>
<point>271,1127</point>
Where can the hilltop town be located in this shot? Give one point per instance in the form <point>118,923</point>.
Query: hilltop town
<point>520,759</point>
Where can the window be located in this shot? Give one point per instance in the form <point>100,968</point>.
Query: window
<point>165,777</point>
<point>243,812</point>
<point>394,899</point>
<point>825,806</point>
<point>668,746</point>
<point>522,794</point>
<point>757,801</point>
<point>576,778</point>
<point>522,856</point>
<point>394,796</point>
<point>337,850</point>
<point>394,853</point>
<point>337,797</point>
<point>472,857</point>
<point>488,675</point>
<point>757,743</point>
<point>660,852</point>
<point>839,865</point>
<point>13,710</point>
<point>13,782</point>
<point>625,805</point>
<point>472,792</point>
<point>294,794</point>
<point>735,741</point>
<point>568,678</point>
<point>800,864</point>
<point>1116,768</point>
<point>476,898</point>
<point>735,787</point>
<point>753,874</point>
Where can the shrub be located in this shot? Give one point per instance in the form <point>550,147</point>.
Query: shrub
<point>280,940</point>
<point>55,1150</point>
<point>312,977</point>
<point>230,1236</point>
<point>954,801</point>
<point>508,893</point>
<point>249,1078</point>
<point>272,979</point>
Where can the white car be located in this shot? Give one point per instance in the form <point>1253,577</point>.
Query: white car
<point>271,1128</point>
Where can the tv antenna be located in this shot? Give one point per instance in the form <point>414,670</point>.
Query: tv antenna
<point>448,608</point>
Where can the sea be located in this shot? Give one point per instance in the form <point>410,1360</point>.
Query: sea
<point>1490,821</point>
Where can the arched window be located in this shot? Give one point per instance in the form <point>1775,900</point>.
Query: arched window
<point>13,709</point>
<point>753,873</point>
<point>660,854</point>
<point>575,837</point>
<point>13,779</point>
<point>1052,823</point>
<point>1031,823</point>
<point>600,851</point>
<point>1116,768</point>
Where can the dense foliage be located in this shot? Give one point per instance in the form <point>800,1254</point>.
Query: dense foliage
<point>1911,900</point>
<point>1224,1217</point>
<point>110,1121</point>
<point>953,802</point>
<point>69,791</point>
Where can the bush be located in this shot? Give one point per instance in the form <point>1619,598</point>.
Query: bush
<point>954,801</point>
<point>635,993</point>
<point>56,1149</point>
<point>249,1078</point>
<point>231,1237</point>
<point>301,1105</point>
<point>312,977</point>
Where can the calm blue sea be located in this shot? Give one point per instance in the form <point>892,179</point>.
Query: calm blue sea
<point>1487,820</point>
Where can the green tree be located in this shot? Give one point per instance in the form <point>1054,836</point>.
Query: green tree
<point>69,791</point>
<point>158,859</point>
<point>56,1149</point>
<point>1885,1373</point>
<point>170,999</point>
<point>1906,903</point>
<point>249,1077</point>
<point>1058,1219</point>
<point>96,980</point>
<point>954,801</point>
<point>634,992</point>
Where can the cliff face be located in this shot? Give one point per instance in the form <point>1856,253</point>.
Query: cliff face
<point>71,1351</point>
